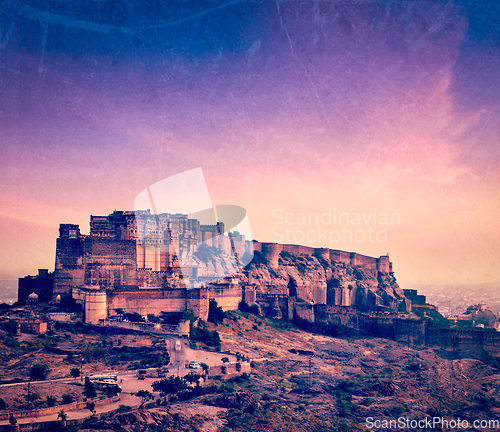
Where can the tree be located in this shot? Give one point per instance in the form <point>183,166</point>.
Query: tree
<point>32,398</point>
<point>12,419</point>
<point>67,399</point>
<point>75,373</point>
<point>152,318</point>
<point>145,396</point>
<point>193,378</point>
<point>39,372</point>
<point>89,391</point>
<point>224,360</point>
<point>51,401</point>
<point>215,313</point>
<point>3,404</point>
<point>62,415</point>
<point>11,327</point>
<point>170,386</point>
<point>90,406</point>
<point>204,366</point>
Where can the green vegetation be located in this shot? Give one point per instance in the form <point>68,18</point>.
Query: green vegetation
<point>11,327</point>
<point>142,356</point>
<point>215,313</point>
<point>67,399</point>
<point>32,398</point>
<point>133,317</point>
<point>358,275</point>
<point>323,262</point>
<point>258,259</point>
<point>39,372</point>
<point>89,390</point>
<point>170,386</point>
<point>144,395</point>
<point>205,336</point>
<point>75,372</point>
<point>244,307</point>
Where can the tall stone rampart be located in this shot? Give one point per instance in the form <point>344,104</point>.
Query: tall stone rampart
<point>323,253</point>
<point>69,269</point>
<point>363,261</point>
<point>298,249</point>
<point>227,297</point>
<point>340,256</point>
<point>271,252</point>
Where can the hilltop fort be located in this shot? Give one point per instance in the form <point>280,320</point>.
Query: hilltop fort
<point>149,264</point>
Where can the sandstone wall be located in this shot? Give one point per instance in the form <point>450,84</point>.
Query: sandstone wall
<point>69,270</point>
<point>228,298</point>
<point>146,302</point>
<point>340,256</point>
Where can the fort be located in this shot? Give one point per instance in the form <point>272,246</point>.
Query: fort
<point>139,262</point>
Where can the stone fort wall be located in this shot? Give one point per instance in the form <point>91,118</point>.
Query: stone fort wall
<point>271,252</point>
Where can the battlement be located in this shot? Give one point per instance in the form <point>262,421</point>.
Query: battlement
<point>69,231</point>
<point>271,252</point>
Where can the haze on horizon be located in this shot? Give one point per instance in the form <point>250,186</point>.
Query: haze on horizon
<point>367,107</point>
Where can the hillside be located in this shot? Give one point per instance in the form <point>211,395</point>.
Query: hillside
<point>306,382</point>
<point>316,279</point>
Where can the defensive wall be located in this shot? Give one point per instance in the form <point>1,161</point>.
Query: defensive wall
<point>466,343</point>
<point>55,409</point>
<point>271,252</point>
<point>100,304</point>
<point>471,343</point>
<point>182,329</point>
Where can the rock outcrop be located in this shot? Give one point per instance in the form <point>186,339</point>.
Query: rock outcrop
<point>319,278</point>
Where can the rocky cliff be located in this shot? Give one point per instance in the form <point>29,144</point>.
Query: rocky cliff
<point>319,278</point>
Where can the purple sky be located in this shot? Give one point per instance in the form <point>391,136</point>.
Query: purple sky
<point>293,107</point>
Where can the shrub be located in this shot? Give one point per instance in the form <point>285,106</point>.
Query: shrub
<point>39,372</point>
<point>89,391</point>
<point>67,399</point>
<point>11,327</point>
<point>244,307</point>
<point>215,313</point>
<point>209,338</point>
<point>124,408</point>
<point>171,385</point>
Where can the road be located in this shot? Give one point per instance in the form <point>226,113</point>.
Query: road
<point>180,356</point>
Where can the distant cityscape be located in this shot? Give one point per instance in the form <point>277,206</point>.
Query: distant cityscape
<point>452,300</point>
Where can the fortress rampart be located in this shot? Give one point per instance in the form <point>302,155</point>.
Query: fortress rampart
<point>271,252</point>
<point>132,258</point>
